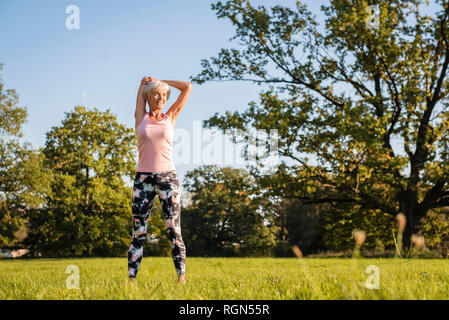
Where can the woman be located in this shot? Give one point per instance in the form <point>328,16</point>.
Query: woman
<point>156,172</point>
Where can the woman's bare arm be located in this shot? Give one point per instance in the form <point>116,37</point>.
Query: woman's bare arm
<point>141,103</point>
<point>177,106</point>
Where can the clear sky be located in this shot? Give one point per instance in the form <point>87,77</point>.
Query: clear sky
<point>100,65</point>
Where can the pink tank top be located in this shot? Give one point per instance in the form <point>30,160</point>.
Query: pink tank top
<point>154,140</point>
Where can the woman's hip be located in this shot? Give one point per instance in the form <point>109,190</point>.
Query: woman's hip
<point>157,178</point>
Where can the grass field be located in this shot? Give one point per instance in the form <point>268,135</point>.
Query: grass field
<point>226,278</point>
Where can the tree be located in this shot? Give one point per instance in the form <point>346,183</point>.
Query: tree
<point>299,225</point>
<point>88,211</point>
<point>369,105</point>
<point>23,182</point>
<point>435,229</point>
<point>227,214</point>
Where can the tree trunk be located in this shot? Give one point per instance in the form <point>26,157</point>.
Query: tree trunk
<point>87,187</point>
<point>413,213</point>
<point>409,205</point>
<point>409,230</point>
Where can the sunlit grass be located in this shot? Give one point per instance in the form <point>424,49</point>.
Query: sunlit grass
<point>226,278</point>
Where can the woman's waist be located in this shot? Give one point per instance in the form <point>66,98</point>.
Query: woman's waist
<point>156,176</point>
<point>156,165</point>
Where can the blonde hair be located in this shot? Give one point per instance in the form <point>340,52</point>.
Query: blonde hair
<point>154,85</point>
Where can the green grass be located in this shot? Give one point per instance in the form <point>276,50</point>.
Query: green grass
<point>226,278</point>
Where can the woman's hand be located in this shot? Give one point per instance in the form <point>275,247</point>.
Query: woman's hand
<point>147,80</point>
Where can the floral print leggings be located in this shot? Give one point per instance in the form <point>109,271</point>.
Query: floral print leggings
<point>146,185</point>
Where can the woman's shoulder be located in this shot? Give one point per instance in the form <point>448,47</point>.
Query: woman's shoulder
<point>170,119</point>
<point>139,121</point>
<point>167,117</point>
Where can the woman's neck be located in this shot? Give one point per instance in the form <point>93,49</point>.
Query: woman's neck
<point>156,114</point>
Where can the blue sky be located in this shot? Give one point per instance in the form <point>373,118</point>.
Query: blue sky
<point>53,69</point>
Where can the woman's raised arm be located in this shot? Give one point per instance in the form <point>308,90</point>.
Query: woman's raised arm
<point>140,103</point>
<point>177,106</point>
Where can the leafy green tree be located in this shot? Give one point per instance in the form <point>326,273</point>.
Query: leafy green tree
<point>299,225</point>
<point>23,182</point>
<point>88,211</point>
<point>227,215</point>
<point>340,222</point>
<point>435,229</point>
<point>368,104</point>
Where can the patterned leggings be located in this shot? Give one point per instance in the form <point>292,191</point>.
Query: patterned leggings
<point>146,185</point>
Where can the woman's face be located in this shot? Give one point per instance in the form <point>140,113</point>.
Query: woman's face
<point>157,99</point>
